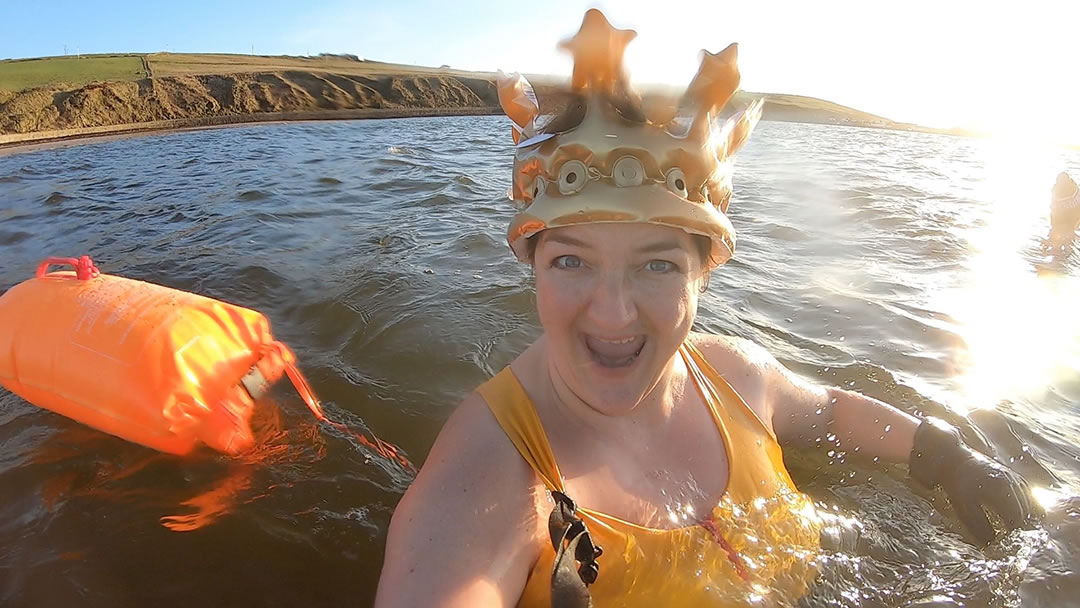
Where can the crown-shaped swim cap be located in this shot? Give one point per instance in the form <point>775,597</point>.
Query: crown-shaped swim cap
<point>612,156</point>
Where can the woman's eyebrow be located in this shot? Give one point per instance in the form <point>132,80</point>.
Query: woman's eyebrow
<point>659,246</point>
<point>654,247</point>
<point>567,240</point>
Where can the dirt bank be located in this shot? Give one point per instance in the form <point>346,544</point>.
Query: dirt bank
<point>265,89</point>
<point>217,97</point>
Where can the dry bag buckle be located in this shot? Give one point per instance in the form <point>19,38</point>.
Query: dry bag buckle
<point>573,545</point>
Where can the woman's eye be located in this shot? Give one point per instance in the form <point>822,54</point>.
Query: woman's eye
<point>659,266</point>
<point>567,262</point>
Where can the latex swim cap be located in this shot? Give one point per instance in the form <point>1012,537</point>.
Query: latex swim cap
<point>612,156</point>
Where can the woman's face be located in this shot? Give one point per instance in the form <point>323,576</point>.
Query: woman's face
<point>615,301</point>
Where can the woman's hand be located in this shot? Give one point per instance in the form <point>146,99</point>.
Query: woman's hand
<point>973,482</point>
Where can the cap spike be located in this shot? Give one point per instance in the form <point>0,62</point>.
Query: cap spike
<point>598,50</point>
<point>736,131</point>
<point>517,98</point>
<point>714,84</point>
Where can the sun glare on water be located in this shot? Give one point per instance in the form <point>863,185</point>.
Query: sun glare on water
<point>1021,329</point>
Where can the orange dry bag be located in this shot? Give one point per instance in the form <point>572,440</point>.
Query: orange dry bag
<point>153,365</point>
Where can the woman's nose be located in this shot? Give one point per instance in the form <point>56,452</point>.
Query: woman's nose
<point>612,304</point>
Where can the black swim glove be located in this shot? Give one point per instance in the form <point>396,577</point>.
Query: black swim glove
<point>973,482</point>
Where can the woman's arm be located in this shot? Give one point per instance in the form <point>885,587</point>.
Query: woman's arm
<point>936,455</point>
<point>466,533</point>
<point>803,413</point>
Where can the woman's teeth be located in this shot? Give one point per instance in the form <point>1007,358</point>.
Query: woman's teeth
<point>616,352</point>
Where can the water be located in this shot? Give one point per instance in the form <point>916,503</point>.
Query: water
<point>906,266</point>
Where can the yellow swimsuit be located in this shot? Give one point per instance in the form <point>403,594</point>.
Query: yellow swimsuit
<point>757,547</point>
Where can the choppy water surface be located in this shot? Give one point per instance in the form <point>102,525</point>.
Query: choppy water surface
<point>906,266</point>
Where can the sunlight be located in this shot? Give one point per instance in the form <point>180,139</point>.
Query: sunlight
<point>1043,108</point>
<point>1049,498</point>
<point>1038,127</point>
<point>1021,334</point>
<point>1021,330</point>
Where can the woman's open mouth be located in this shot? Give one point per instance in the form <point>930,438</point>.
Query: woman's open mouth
<point>614,352</point>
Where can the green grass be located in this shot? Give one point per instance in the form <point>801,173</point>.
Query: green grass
<point>16,75</point>
<point>185,64</point>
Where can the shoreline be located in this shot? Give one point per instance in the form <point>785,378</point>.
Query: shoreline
<point>18,143</point>
<point>21,143</point>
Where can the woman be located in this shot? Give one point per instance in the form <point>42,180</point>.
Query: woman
<point>1064,210</point>
<point>619,427</point>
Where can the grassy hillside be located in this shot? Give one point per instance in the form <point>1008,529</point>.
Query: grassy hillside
<point>797,104</point>
<point>95,91</point>
<point>69,72</point>
<point>241,97</point>
<point>186,64</point>
<point>16,75</point>
<point>20,74</point>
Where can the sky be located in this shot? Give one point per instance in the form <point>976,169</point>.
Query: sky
<point>1013,68</point>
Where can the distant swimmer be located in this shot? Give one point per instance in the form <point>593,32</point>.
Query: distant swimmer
<point>1064,211</point>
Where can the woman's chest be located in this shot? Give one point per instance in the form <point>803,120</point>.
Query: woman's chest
<point>662,482</point>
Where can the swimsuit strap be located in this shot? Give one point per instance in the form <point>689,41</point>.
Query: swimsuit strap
<point>514,411</point>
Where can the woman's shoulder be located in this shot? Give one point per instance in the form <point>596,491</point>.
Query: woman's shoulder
<point>472,444</point>
<point>474,460</point>
<point>746,366</point>
<point>732,352</point>
<point>472,510</point>
<point>735,357</point>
